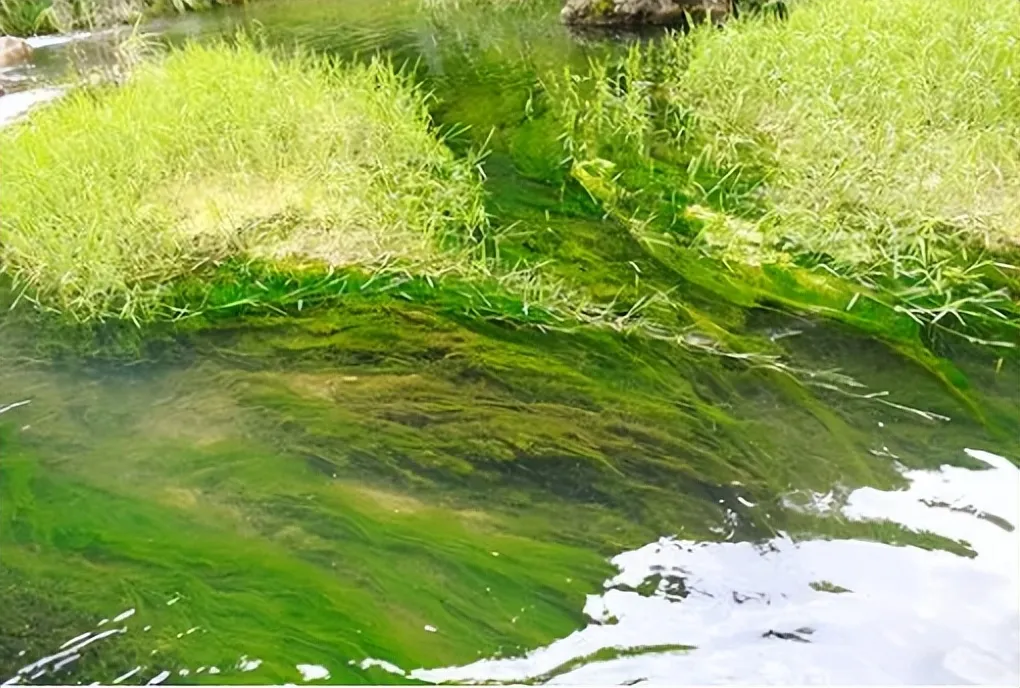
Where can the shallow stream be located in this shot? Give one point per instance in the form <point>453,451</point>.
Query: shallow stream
<point>390,490</point>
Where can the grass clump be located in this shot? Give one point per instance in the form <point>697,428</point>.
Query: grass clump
<point>873,122</point>
<point>876,141</point>
<point>27,17</point>
<point>221,152</point>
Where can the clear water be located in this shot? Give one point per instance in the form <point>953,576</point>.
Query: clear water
<point>391,493</point>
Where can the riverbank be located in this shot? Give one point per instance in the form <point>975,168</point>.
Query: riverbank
<point>40,17</point>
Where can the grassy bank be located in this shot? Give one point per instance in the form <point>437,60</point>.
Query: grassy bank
<point>858,152</point>
<point>219,152</point>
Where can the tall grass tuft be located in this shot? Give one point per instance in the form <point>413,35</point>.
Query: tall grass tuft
<point>27,17</point>
<point>877,140</point>
<point>221,152</point>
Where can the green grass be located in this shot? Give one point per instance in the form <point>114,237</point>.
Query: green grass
<point>875,121</point>
<point>876,141</point>
<point>221,152</point>
<point>27,17</point>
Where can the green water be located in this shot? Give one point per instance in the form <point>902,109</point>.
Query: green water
<point>404,476</point>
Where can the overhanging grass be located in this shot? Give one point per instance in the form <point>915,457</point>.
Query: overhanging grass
<point>879,141</point>
<point>217,152</point>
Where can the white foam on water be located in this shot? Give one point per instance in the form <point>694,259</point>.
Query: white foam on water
<point>245,664</point>
<point>313,672</point>
<point>771,613</point>
<point>57,39</point>
<point>369,662</point>
<point>14,105</point>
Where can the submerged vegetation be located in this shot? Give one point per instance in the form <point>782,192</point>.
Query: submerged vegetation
<point>875,142</point>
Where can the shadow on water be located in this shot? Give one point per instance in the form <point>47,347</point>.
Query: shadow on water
<point>382,485</point>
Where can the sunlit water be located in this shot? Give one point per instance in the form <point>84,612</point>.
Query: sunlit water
<point>769,610</point>
<point>813,612</point>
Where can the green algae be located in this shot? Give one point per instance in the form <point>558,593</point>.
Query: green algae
<point>380,467</point>
<point>369,456</point>
<point>331,568</point>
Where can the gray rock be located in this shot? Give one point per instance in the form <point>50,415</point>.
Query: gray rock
<point>14,51</point>
<point>657,12</point>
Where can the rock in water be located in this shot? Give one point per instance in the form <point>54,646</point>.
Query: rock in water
<point>14,51</point>
<point>658,12</point>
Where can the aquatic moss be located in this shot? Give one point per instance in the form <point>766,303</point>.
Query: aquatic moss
<point>332,566</point>
<point>353,468</point>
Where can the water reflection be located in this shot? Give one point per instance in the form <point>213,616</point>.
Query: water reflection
<point>15,105</point>
<point>810,612</point>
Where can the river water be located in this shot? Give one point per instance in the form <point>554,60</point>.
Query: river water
<point>396,494</point>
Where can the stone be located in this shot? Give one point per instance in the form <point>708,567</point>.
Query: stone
<point>14,51</point>
<point>636,12</point>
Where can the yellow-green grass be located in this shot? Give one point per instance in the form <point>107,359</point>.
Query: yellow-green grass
<point>220,152</point>
<point>878,121</point>
<point>879,140</point>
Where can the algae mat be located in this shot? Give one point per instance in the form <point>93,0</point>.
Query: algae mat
<point>385,482</point>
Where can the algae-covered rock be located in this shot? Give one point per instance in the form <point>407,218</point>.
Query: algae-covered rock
<point>659,12</point>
